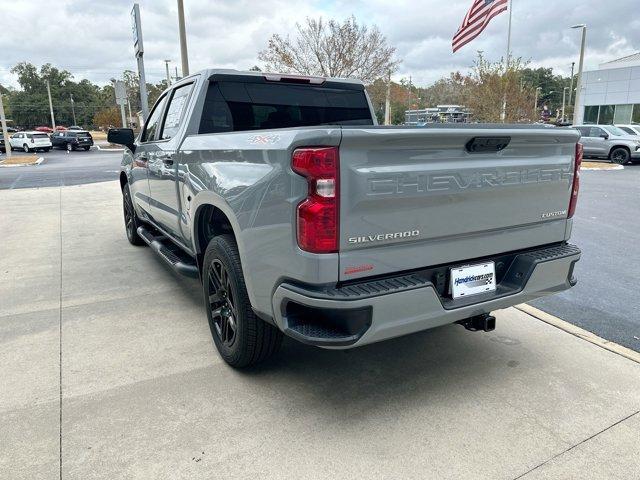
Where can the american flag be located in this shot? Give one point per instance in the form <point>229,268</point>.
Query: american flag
<point>476,20</point>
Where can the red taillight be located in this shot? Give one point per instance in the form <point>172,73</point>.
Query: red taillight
<point>576,181</point>
<point>318,214</point>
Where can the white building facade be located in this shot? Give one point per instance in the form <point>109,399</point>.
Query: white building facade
<point>611,94</point>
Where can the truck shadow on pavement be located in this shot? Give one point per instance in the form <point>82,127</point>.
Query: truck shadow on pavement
<point>427,367</point>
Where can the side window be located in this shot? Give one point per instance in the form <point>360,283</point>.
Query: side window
<point>628,130</point>
<point>216,115</point>
<point>175,109</point>
<point>596,132</point>
<point>153,122</point>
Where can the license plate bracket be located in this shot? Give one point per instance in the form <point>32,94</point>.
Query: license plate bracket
<point>467,280</point>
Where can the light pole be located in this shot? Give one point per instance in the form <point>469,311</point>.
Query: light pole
<point>166,65</point>
<point>564,94</point>
<point>387,101</point>
<point>53,120</point>
<point>183,40</point>
<point>73,109</point>
<point>5,134</point>
<point>573,64</point>
<point>535,104</point>
<point>576,108</point>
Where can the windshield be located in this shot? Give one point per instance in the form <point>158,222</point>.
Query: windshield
<point>615,130</point>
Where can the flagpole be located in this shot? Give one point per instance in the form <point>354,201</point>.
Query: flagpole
<point>503,115</point>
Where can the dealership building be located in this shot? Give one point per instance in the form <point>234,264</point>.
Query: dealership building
<point>611,94</point>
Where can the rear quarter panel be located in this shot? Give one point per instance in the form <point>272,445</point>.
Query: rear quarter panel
<point>247,175</point>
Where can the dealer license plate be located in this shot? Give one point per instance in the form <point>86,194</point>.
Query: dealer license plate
<point>472,279</point>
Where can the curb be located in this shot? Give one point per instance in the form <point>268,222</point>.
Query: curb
<point>110,149</point>
<point>579,332</point>
<point>36,163</point>
<point>589,169</point>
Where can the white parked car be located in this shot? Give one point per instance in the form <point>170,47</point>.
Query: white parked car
<point>630,129</point>
<point>30,141</point>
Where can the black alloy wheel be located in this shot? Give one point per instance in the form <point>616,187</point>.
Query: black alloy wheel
<point>222,303</point>
<point>241,337</point>
<point>131,221</point>
<point>620,156</point>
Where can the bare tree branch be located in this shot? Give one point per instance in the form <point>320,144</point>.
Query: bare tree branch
<point>331,49</point>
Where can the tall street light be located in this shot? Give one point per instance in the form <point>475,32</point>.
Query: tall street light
<point>576,108</point>
<point>564,96</point>
<point>535,105</point>
<point>183,40</point>
<point>166,65</point>
<point>573,66</point>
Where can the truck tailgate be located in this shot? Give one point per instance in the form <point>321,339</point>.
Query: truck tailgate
<point>416,197</point>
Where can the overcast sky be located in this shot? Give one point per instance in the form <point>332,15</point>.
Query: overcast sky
<point>92,38</point>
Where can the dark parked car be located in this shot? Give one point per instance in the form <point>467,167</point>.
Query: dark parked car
<point>3,149</point>
<point>72,140</point>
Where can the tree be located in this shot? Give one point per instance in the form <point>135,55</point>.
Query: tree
<point>551,86</point>
<point>108,117</point>
<point>483,92</point>
<point>331,49</point>
<point>446,91</point>
<point>29,106</point>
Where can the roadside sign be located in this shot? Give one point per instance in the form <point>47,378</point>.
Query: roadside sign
<point>136,30</point>
<point>121,92</point>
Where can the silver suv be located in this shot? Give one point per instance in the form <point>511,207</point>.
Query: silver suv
<point>608,141</point>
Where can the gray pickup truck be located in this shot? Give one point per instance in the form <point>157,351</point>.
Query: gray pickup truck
<point>302,217</point>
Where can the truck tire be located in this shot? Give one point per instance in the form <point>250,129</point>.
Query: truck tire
<point>131,220</point>
<point>241,337</point>
<point>619,155</point>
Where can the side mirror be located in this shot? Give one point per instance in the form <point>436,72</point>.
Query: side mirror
<point>605,136</point>
<point>121,136</point>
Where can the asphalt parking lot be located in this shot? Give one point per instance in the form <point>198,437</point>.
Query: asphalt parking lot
<point>108,371</point>
<point>606,228</point>
<point>62,168</point>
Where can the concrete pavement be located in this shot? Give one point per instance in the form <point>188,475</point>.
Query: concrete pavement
<point>107,370</point>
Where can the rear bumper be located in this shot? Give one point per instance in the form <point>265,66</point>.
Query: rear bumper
<point>370,311</point>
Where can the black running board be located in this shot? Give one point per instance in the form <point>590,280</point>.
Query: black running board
<point>168,252</point>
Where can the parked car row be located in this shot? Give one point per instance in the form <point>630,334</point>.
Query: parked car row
<point>32,141</point>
